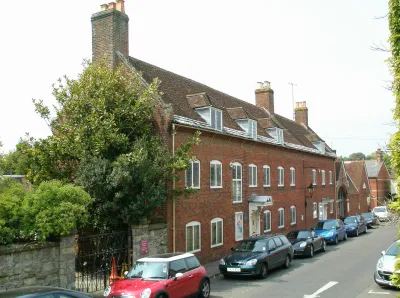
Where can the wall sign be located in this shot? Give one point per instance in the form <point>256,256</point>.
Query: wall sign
<point>144,247</point>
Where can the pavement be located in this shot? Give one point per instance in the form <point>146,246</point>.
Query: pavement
<point>212,268</point>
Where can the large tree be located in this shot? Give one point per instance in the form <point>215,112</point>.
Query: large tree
<point>104,139</point>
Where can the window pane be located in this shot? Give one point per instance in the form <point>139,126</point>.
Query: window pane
<point>219,232</point>
<point>189,176</point>
<point>196,236</point>
<point>219,120</point>
<point>239,172</point>
<point>234,170</point>
<point>251,175</point>
<point>268,176</point>
<point>212,175</point>
<point>196,174</point>
<point>189,238</point>
<point>214,233</point>
<point>213,118</point>
<point>219,175</point>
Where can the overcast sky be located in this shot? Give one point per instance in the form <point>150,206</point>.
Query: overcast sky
<point>321,46</point>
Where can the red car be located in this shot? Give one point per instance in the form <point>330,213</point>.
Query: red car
<point>170,275</point>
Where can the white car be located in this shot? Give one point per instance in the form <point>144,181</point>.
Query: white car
<point>385,266</point>
<point>381,212</point>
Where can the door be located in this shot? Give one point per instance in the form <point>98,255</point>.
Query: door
<point>255,223</point>
<point>325,211</point>
<point>340,230</point>
<point>193,269</point>
<point>281,249</point>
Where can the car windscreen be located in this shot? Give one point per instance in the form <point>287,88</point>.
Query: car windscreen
<point>380,209</point>
<point>393,250</point>
<point>367,215</point>
<point>350,219</point>
<point>325,225</point>
<point>151,270</point>
<point>299,235</point>
<point>251,245</point>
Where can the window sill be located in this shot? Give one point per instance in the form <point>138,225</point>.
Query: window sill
<point>252,185</point>
<point>216,245</point>
<point>267,231</point>
<point>292,184</point>
<point>237,202</point>
<point>215,187</point>
<point>293,223</point>
<point>192,187</point>
<point>193,251</point>
<point>281,227</point>
<point>267,185</point>
<point>282,185</point>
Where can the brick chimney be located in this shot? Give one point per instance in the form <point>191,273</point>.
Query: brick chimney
<point>379,155</point>
<point>110,33</point>
<point>301,113</point>
<point>265,96</point>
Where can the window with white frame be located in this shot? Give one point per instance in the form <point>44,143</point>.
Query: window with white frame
<point>314,177</point>
<point>364,186</point>
<point>292,176</point>
<point>330,177</point>
<point>236,182</point>
<point>323,177</point>
<point>266,176</point>
<point>215,174</point>
<point>216,119</point>
<point>331,207</point>
<point>193,174</point>
<point>281,218</point>
<point>280,176</point>
<point>348,207</point>
<point>293,215</point>
<point>252,175</point>
<point>193,236</point>
<point>253,129</point>
<point>267,221</point>
<point>315,211</point>
<point>217,232</point>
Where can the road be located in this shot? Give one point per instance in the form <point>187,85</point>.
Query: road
<point>345,270</point>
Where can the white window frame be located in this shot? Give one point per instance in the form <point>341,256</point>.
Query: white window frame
<point>214,119</point>
<point>323,177</point>
<point>239,223</point>
<point>281,176</point>
<point>292,176</point>
<point>293,215</point>
<point>331,207</point>
<point>240,180</point>
<point>266,176</point>
<point>330,177</point>
<point>348,207</point>
<point>364,186</point>
<point>314,177</point>
<point>192,224</point>
<point>216,221</point>
<point>214,168</point>
<point>265,220</point>
<point>252,175</point>
<point>253,129</point>
<point>315,210</point>
<point>281,216</point>
<point>192,172</point>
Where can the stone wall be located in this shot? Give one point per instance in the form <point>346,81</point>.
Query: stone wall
<point>148,239</point>
<point>38,264</point>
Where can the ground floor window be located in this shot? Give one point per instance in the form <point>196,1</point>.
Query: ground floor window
<point>193,234</point>
<point>293,215</point>
<point>331,207</point>
<point>314,210</point>
<point>267,221</point>
<point>216,232</point>
<point>281,218</point>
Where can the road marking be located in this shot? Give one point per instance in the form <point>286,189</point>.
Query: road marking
<point>378,293</point>
<point>324,288</point>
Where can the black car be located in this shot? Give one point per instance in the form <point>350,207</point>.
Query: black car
<point>306,242</point>
<point>355,225</point>
<point>371,219</point>
<point>256,255</point>
<point>42,291</point>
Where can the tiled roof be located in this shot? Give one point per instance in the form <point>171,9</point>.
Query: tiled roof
<point>176,88</point>
<point>352,188</point>
<point>355,170</point>
<point>373,168</point>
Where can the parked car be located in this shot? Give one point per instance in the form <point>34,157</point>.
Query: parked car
<point>381,212</point>
<point>371,219</point>
<point>256,255</point>
<point>306,242</point>
<point>164,275</point>
<point>42,291</point>
<point>385,265</point>
<point>355,225</point>
<point>332,230</point>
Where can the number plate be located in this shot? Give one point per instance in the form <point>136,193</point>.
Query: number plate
<point>233,269</point>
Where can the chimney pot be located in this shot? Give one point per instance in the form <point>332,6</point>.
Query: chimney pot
<point>112,5</point>
<point>265,96</point>
<point>104,6</point>
<point>121,5</point>
<point>301,113</point>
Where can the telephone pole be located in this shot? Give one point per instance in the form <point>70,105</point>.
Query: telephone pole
<point>294,114</point>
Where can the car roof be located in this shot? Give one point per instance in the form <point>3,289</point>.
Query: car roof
<point>326,220</point>
<point>262,236</point>
<point>166,257</point>
<point>34,290</point>
<point>302,230</point>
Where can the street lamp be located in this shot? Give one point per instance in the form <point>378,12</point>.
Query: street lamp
<point>310,191</point>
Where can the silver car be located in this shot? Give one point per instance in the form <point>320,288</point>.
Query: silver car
<point>385,266</point>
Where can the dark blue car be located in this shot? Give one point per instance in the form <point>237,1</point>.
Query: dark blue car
<point>332,230</point>
<point>355,225</point>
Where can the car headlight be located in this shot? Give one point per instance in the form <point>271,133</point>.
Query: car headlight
<point>303,244</point>
<point>352,228</point>
<point>107,291</point>
<point>251,262</point>
<point>222,262</point>
<point>146,293</point>
<point>329,234</point>
<point>380,264</point>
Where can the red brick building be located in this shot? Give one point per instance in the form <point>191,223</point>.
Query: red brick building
<point>358,201</point>
<point>253,167</point>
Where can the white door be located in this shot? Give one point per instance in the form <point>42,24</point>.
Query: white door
<point>255,223</point>
<point>325,211</point>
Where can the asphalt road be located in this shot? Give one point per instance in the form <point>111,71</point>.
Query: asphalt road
<point>345,271</point>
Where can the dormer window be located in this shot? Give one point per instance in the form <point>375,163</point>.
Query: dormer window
<point>212,116</point>
<point>276,133</point>
<point>320,146</point>
<point>249,126</point>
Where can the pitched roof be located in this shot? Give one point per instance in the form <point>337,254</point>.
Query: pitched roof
<point>352,188</point>
<point>176,89</point>
<point>373,168</point>
<point>355,170</point>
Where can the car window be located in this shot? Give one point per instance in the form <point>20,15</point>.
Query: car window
<point>271,244</point>
<point>260,245</point>
<point>284,239</point>
<point>278,241</point>
<point>177,266</point>
<point>156,270</point>
<point>192,263</point>
<point>313,234</point>
<point>337,224</point>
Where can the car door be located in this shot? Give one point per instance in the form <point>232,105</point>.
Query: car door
<point>178,287</point>
<point>317,241</point>
<point>281,251</point>
<point>195,275</point>
<point>340,230</point>
<point>273,254</point>
<point>363,223</point>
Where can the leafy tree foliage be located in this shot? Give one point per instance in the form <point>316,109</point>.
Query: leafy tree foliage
<point>16,162</point>
<point>357,156</point>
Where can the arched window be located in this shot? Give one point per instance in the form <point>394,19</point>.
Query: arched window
<point>266,176</point>
<point>292,176</point>
<point>293,215</point>
<point>281,218</point>
<point>236,182</point>
<point>281,176</point>
<point>314,177</point>
<point>193,236</point>
<point>215,174</point>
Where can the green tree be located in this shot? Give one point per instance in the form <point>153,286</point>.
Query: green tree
<point>104,139</point>
<point>357,156</point>
<point>16,162</point>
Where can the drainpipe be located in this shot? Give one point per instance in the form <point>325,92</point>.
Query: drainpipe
<point>173,188</point>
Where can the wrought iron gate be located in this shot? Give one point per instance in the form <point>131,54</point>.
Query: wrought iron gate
<point>93,258</point>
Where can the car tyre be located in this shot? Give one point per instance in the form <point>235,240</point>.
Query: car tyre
<point>204,289</point>
<point>345,236</point>
<point>323,247</point>
<point>263,271</point>
<point>336,240</point>
<point>311,252</point>
<point>287,262</point>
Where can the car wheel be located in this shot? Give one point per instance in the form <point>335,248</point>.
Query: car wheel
<point>311,253</point>
<point>204,289</point>
<point>323,246</point>
<point>336,240</point>
<point>345,236</point>
<point>287,262</point>
<point>357,233</point>
<point>263,271</point>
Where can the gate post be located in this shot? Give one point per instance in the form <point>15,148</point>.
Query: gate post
<point>67,262</point>
<point>139,232</point>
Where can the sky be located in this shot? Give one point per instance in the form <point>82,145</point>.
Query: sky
<point>323,47</point>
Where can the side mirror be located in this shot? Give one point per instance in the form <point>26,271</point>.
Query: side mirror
<point>178,275</point>
<point>383,253</point>
<point>271,249</point>
<point>126,273</point>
